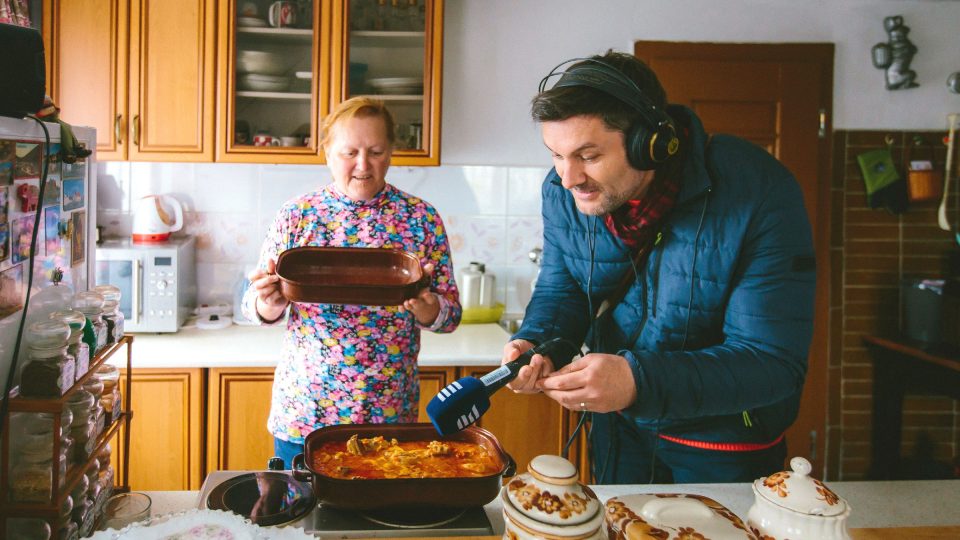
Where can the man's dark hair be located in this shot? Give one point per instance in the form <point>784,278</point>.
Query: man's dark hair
<point>558,104</point>
<point>562,103</point>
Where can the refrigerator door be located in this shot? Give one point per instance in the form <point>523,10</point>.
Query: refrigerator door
<point>65,233</point>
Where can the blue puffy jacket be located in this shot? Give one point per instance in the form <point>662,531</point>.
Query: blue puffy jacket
<point>718,321</point>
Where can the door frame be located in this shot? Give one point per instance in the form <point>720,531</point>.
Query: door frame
<point>825,303</point>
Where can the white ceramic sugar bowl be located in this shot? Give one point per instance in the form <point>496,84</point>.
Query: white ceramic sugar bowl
<point>794,505</point>
<point>547,502</point>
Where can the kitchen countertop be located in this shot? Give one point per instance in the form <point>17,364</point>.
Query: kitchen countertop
<point>907,503</point>
<point>259,346</point>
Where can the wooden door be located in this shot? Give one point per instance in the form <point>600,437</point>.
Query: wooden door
<point>89,74</point>
<point>238,404</point>
<point>172,72</point>
<point>166,431</point>
<point>526,425</point>
<point>432,379</point>
<point>776,96</point>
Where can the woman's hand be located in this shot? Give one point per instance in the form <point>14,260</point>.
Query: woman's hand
<point>527,377</point>
<point>270,300</point>
<point>425,306</point>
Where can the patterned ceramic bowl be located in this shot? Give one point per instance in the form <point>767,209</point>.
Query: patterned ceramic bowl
<point>548,502</point>
<point>671,515</point>
<point>791,504</point>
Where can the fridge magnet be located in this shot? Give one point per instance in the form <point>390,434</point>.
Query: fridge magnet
<point>27,164</point>
<point>51,228</point>
<point>51,193</point>
<point>4,241</point>
<point>27,195</point>
<point>4,205</point>
<point>74,170</point>
<point>78,237</point>
<point>11,290</point>
<point>72,194</point>
<point>21,231</point>
<point>53,157</point>
<point>8,154</point>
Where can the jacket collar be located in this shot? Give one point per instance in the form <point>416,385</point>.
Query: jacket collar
<point>695,178</point>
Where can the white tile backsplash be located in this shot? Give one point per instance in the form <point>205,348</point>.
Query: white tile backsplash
<point>492,213</point>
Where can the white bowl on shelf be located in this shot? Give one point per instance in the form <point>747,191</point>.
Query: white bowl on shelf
<point>251,22</point>
<point>260,62</point>
<point>263,83</point>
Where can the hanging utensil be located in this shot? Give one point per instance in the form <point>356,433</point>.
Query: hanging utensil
<point>948,174</point>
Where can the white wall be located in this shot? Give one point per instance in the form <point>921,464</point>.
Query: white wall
<point>496,51</point>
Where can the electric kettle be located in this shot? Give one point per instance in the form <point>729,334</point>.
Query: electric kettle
<point>152,221</point>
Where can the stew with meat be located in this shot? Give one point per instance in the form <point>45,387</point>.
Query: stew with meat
<point>377,457</point>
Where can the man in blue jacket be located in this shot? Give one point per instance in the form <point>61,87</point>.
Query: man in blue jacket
<point>685,263</point>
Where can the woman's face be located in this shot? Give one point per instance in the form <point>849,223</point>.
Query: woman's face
<point>358,155</point>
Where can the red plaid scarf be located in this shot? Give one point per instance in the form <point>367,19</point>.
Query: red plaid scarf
<point>636,223</point>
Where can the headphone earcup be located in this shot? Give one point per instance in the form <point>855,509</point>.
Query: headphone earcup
<point>646,149</point>
<point>636,139</point>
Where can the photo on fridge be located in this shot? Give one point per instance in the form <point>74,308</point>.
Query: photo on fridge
<point>11,290</point>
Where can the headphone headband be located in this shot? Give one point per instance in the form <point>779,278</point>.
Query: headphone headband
<point>610,80</point>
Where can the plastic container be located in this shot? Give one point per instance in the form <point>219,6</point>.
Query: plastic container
<point>75,345</point>
<point>923,309</point>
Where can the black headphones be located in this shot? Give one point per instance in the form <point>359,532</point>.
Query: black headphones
<point>649,142</point>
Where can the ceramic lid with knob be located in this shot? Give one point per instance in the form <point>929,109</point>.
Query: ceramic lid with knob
<point>799,492</point>
<point>549,493</point>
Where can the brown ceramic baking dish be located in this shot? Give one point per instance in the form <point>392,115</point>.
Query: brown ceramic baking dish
<point>338,275</point>
<point>403,493</point>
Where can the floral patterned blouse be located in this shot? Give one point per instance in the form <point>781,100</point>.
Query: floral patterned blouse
<point>351,364</point>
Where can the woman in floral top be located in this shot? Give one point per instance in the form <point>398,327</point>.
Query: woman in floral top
<point>348,364</point>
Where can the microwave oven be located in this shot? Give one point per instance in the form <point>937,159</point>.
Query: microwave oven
<point>157,281</point>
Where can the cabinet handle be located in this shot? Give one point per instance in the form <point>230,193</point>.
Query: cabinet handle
<point>117,132</point>
<point>137,291</point>
<point>136,130</point>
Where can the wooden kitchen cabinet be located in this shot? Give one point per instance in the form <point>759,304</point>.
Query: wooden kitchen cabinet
<point>432,379</point>
<point>238,403</point>
<point>166,433</point>
<point>139,71</point>
<point>393,51</point>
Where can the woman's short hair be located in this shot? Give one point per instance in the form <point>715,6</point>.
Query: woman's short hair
<point>357,107</point>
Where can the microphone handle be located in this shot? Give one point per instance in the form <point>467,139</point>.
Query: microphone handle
<point>559,350</point>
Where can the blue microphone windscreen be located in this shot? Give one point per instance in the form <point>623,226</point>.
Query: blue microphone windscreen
<point>458,405</point>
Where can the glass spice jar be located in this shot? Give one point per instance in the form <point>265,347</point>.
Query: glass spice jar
<point>75,344</point>
<point>111,311</point>
<point>110,399</point>
<point>90,303</point>
<point>32,480</point>
<point>50,371</point>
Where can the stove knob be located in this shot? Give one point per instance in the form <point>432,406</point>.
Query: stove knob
<point>275,464</point>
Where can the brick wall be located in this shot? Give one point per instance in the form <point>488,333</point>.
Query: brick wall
<point>872,251</point>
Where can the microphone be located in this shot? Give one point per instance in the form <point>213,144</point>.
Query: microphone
<point>464,401</point>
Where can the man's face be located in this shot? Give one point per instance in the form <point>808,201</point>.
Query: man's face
<point>592,162</point>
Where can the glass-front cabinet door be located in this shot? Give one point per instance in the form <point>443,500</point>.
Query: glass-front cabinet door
<point>392,50</point>
<point>273,80</point>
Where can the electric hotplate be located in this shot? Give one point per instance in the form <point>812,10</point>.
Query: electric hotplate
<point>275,498</point>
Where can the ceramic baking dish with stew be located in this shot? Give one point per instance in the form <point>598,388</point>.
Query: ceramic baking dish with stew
<point>403,493</point>
<point>338,275</point>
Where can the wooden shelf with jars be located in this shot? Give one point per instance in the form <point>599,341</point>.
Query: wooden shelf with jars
<point>61,487</point>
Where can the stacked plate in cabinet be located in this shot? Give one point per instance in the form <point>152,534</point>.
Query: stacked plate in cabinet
<point>262,71</point>
<point>396,85</point>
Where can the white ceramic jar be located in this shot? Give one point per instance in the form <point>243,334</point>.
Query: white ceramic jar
<point>547,502</point>
<point>791,504</point>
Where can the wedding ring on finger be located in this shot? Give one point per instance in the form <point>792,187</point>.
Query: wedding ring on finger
<point>583,405</point>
